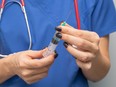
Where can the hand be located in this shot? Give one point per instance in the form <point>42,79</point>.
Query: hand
<point>83,45</point>
<point>29,66</point>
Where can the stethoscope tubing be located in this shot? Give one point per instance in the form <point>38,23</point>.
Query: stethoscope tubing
<point>21,4</point>
<point>25,16</point>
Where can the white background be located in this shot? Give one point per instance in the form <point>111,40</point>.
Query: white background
<point>110,79</point>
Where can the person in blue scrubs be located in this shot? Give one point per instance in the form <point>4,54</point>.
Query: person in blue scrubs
<point>82,54</point>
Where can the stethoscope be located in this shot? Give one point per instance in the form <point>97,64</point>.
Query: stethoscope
<point>22,5</point>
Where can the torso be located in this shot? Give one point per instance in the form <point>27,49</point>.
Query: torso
<point>43,16</point>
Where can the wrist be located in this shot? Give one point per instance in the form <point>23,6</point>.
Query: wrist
<point>8,67</point>
<point>5,70</point>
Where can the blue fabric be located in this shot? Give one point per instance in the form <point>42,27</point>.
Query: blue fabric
<point>44,15</point>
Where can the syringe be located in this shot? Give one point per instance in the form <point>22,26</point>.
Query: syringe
<point>53,44</point>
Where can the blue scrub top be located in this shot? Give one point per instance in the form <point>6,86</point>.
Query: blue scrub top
<point>96,15</point>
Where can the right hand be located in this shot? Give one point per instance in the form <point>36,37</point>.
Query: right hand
<point>29,66</point>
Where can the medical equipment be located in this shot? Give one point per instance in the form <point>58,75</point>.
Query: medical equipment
<point>53,44</point>
<point>22,5</point>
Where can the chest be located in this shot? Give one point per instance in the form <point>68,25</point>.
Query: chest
<point>42,16</point>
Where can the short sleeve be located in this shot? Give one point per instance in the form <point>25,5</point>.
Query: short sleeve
<point>104,17</point>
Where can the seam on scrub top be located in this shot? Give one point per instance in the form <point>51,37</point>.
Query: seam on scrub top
<point>53,21</point>
<point>66,16</point>
<point>84,17</point>
<point>54,17</point>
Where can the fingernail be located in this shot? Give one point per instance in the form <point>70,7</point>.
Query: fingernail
<point>58,29</point>
<point>65,44</point>
<point>56,55</point>
<point>59,35</point>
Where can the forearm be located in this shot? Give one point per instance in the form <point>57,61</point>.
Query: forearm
<point>5,70</point>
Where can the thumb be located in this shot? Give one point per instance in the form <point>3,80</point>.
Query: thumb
<point>35,54</point>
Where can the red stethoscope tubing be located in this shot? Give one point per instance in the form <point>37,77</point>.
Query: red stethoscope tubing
<point>77,14</point>
<point>3,3</point>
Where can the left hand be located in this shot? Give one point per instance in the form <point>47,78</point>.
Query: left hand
<point>83,45</point>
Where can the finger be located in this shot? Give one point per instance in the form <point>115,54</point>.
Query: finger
<point>35,54</point>
<point>39,63</point>
<point>83,61</point>
<point>35,78</point>
<point>80,43</point>
<point>31,72</point>
<point>84,66</point>
<point>90,36</point>
<point>80,55</point>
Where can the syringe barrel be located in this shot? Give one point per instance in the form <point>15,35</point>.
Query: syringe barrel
<point>50,50</point>
<point>53,44</point>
